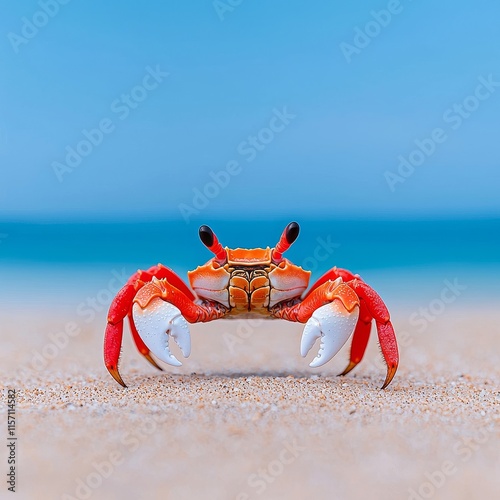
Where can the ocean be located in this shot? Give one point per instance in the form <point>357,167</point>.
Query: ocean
<point>403,260</point>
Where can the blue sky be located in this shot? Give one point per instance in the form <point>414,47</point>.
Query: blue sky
<point>240,77</point>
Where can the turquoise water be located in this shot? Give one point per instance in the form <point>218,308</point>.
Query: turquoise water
<point>399,258</point>
<point>362,244</point>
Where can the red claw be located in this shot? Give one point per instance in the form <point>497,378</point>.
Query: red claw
<point>121,307</point>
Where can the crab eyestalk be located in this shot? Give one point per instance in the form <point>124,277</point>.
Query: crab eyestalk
<point>208,238</point>
<point>288,236</point>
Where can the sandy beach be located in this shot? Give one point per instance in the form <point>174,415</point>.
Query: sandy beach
<point>237,143</point>
<point>245,417</point>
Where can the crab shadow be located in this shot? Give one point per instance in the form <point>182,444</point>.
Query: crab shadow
<point>371,381</point>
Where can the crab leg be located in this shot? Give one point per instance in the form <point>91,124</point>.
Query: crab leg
<point>360,337</point>
<point>122,307</point>
<point>114,330</point>
<point>139,343</point>
<point>385,330</point>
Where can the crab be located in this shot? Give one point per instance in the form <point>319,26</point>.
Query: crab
<point>238,283</point>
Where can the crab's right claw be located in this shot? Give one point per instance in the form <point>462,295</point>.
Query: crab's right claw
<point>156,322</point>
<point>333,324</point>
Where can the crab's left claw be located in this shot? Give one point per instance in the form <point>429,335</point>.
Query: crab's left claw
<point>334,324</point>
<point>158,321</point>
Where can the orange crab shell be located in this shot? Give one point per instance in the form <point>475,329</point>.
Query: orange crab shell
<point>249,280</point>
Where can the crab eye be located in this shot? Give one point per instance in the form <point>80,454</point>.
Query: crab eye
<point>292,232</point>
<point>208,238</point>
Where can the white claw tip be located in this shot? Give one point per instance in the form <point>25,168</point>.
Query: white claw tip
<point>159,321</point>
<point>334,325</point>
